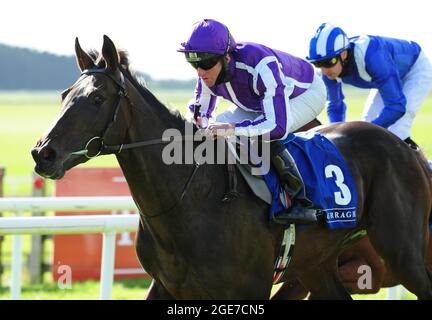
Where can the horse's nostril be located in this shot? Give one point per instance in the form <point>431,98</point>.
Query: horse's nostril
<point>48,154</point>
<point>43,156</point>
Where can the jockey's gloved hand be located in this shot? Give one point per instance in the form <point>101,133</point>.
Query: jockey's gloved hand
<point>222,129</point>
<point>202,122</point>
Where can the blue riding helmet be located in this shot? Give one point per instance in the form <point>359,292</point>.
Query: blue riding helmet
<point>329,41</point>
<point>209,38</point>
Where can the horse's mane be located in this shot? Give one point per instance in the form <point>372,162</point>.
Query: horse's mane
<point>138,81</point>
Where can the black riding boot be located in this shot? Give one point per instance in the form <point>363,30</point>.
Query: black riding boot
<point>301,210</point>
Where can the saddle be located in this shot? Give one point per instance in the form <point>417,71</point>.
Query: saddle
<point>327,178</point>
<point>255,181</point>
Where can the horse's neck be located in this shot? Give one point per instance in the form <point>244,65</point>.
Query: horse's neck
<point>154,185</point>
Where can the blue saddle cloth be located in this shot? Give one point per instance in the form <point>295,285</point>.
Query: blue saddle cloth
<point>328,180</point>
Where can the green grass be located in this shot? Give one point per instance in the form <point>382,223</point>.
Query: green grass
<point>23,119</point>
<point>124,289</point>
<point>382,295</point>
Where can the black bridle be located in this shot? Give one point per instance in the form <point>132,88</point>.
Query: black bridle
<point>107,149</point>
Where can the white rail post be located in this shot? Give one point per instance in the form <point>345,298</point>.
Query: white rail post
<point>15,288</point>
<point>107,268</point>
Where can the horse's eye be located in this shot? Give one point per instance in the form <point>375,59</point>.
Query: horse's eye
<point>98,99</point>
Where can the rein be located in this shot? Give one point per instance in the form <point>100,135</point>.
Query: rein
<point>120,147</point>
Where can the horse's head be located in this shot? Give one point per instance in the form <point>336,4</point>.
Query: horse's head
<point>90,110</point>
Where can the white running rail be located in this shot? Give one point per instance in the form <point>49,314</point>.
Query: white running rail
<point>108,225</point>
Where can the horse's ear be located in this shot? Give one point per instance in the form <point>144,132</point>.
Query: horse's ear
<point>83,59</point>
<point>110,54</point>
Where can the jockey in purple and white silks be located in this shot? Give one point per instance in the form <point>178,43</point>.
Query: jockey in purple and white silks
<point>397,71</point>
<point>272,92</point>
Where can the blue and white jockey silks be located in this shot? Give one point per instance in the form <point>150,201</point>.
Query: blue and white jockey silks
<point>273,92</point>
<point>399,74</point>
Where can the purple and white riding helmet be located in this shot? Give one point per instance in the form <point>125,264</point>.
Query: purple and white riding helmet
<point>208,38</point>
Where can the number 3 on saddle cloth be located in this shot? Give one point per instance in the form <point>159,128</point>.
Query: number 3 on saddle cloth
<point>327,178</point>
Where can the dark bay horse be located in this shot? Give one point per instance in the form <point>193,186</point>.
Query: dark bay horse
<point>195,247</point>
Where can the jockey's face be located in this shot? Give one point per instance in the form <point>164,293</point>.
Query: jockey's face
<point>334,72</point>
<point>210,76</point>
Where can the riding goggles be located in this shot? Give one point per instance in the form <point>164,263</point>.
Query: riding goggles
<point>202,60</point>
<point>326,63</point>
